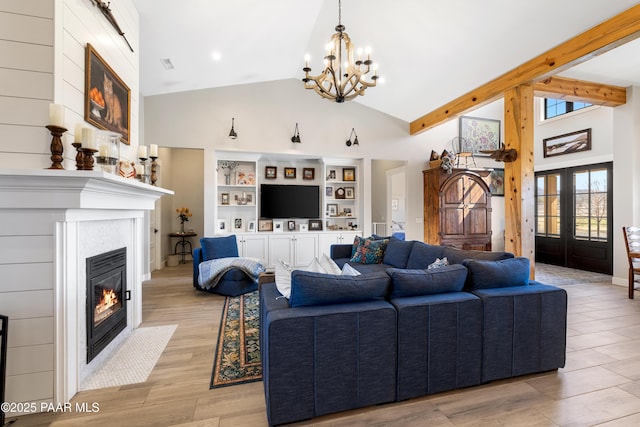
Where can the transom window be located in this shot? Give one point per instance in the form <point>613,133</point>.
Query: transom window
<point>558,107</point>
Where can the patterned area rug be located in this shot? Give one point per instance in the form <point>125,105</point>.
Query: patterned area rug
<point>237,358</point>
<point>559,276</point>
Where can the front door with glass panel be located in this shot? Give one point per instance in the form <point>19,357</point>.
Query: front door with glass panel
<point>573,217</point>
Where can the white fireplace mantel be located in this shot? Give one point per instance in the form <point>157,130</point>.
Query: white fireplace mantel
<point>63,189</point>
<point>51,221</point>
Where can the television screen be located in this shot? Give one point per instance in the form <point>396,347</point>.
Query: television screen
<point>289,201</point>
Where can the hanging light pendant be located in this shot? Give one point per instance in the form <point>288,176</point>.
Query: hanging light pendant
<point>232,134</point>
<point>296,136</point>
<point>343,78</point>
<point>355,141</point>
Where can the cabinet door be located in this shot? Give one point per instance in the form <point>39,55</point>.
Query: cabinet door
<point>280,248</point>
<point>305,248</point>
<point>325,240</point>
<point>255,246</point>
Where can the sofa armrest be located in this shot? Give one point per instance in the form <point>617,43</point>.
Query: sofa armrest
<point>341,251</point>
<point>197,259</point>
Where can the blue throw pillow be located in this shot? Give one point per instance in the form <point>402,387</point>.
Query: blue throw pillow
<point>397,252</point>
<point>422,254</point>
<point>497,274</point>
<point>308,288</point>
<point>219,247</point>
<point>407,283</point>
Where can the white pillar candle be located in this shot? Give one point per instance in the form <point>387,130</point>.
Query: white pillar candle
<point>104,150</point>
<point>88,138</point>
<point>139,170</point>
<point>142,151</point>
<point>153,150</point>
<point>56,115</point>
<point>77,135</point>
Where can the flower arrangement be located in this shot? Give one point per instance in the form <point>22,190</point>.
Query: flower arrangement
<point>183,215</point>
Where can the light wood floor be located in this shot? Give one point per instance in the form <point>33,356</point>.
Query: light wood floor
<point>599,386</point>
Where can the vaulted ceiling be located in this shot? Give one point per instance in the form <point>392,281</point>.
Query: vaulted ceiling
<point>428,51</point>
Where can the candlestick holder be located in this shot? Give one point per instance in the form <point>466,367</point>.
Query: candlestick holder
<point>87,154</point>
<point>56,146</point>
<point>144,177</point>
<point>79,156</point>
<point>154,169</point>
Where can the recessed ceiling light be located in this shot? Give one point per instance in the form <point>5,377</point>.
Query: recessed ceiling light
<point>167,64</point>
<point>216,56</point>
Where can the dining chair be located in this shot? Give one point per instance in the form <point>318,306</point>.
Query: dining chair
<point>632,244</point>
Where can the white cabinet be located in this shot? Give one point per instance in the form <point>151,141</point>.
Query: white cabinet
<point>297,249</point>
<point>253,245</point>
<point>330,238</point>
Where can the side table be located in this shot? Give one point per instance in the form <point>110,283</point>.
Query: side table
<point>183,243</point>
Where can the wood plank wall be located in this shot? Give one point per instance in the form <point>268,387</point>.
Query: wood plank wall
<point>42,51</point>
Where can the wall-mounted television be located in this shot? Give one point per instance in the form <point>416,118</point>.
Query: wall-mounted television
<point>289,201</point>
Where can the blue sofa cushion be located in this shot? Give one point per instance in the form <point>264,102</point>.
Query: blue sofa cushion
<point>309,288</point>
<point>407,283</point>
<point>369,251</point>
<point>422,254</point>
<point>397,252</point>
<point>456,256</point>
<point>497,274</point>
<point>219,247</point>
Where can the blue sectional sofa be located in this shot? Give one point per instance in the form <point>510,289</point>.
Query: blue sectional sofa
<point>400,330</point>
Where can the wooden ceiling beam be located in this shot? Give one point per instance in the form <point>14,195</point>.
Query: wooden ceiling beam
<point>580,91</point>
<point>602,38</point>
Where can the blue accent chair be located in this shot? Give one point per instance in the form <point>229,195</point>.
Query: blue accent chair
<point>234,282</point>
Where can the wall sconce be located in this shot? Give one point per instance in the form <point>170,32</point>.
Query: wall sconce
<point>232,134</point>
<point>355,141</point>
<point>296,136</point>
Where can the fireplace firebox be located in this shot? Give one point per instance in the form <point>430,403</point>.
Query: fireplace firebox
<point>107,297</point>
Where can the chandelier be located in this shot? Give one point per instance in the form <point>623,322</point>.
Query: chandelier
<point>343,78</point>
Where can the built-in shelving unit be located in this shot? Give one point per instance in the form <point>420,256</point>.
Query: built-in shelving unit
<point>239,176</point>
<point>341,197</point>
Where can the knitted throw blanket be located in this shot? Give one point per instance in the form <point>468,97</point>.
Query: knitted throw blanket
<point>212,271</point>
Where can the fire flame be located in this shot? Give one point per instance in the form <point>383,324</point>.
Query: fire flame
<point>108,300</point>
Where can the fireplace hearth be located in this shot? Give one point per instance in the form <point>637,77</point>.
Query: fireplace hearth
<point>107,297</point>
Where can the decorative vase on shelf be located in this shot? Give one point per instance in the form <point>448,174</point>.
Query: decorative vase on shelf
<point>227,179</point>
<point>182,227</point>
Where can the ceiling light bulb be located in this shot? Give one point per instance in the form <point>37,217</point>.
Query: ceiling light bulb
<point>307,57</point>
<point>367,50</point>
<point>359,51</point>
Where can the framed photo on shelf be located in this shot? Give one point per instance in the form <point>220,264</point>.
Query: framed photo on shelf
<point>479,134</point>
<point>107,100</point>
<point>221,226</point>
<point>290,173</point>
<point>224,198</point>
<point>332,209</point>
<point>573,142</point>
<point>309,173</point>
<point>348,174</point>
<point>237,224</point>
<point>331,176</point>
<point>349,193</point>
<point>315,225</point>
<point>347,212</point>
<point>249,197</point>
<point>304,227</point>
<point>278,226</point>
<point>291,225</point>
<point>496,182</point>
<point>328,192</point>
<point>270,172</point>
<point>245,176</point>
<point>251,226</point>
<point>265,225</point>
